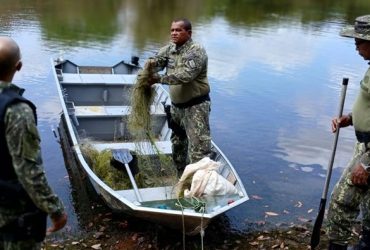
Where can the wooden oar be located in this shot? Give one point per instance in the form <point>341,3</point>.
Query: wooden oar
<point>315,237</point>
<point>124,156</point>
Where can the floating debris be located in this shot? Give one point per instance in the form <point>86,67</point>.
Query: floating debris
<point>299,204</point>
<point>271,214</point>
<point>256,197</point>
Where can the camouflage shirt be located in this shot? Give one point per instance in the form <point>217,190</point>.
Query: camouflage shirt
<point>24,146</point>
<point>361,107</point>
<point>361,112</point>
<point>186,70</point>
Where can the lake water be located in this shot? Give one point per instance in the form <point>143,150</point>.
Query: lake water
<point>275,69</point>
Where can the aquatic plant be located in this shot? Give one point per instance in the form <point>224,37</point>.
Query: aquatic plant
<point>101,164</point>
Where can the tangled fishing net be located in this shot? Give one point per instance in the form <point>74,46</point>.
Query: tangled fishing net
<point>142,96</point>
<point>156,168</point>
<point>101,164</point>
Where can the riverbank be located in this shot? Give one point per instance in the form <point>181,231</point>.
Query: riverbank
<point>297,237</point>
<point>114,232</point>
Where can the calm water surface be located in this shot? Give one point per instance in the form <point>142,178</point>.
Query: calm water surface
<point>275,69</point>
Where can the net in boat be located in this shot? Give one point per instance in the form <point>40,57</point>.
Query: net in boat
<point>101,164</point>
<point>155,168</point>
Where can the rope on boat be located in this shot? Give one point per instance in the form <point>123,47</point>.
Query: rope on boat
<point>198,206</point>
<point>183,227</point>
<point>201,227</point>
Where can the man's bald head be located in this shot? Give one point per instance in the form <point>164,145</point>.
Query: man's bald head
<point>10,57</point>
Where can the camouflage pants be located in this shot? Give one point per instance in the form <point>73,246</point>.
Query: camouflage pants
<point>197,144</point>
<point>20,245</point>
<point>346,202</point>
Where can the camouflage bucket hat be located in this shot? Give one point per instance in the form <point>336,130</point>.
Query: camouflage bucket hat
<point>360,30</point>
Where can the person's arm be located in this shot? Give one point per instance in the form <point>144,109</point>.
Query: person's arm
<point>341,122</point>
<point>193,62</point>
<point>359,174</point>
<point>24,146</point>
<point>156,64</point>
<point>159,61</point>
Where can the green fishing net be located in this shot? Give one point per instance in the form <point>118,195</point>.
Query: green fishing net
<point>101,165</point>
<point>156,168</point>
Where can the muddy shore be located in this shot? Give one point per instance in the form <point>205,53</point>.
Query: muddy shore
<point>114,231</point>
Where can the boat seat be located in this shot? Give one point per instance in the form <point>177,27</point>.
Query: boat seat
<point>164,147</point>
<point>72,78</point>
<point>149,194</point>
<point>104,111</point>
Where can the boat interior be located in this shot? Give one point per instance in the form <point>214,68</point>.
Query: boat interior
<point>97,100</point>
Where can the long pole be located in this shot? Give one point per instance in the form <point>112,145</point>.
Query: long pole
<point>315,238</point>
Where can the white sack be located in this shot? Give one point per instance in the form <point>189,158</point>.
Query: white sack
<point>206,180</point>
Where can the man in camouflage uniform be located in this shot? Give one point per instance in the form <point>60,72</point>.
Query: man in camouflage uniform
<point>186,65</point>
<point>25,196</point>
<point>352,192</point>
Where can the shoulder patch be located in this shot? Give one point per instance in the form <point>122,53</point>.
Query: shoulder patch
<point>192,64</point>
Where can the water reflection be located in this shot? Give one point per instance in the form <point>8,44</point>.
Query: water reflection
<point>301,147</point>
<point>274,52</point>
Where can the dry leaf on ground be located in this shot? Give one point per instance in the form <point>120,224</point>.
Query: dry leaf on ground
<point>271,213</point>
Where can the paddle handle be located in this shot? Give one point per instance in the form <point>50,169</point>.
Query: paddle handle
<point>133,182</point>
<point>333,151</point>
<point>316,232</point>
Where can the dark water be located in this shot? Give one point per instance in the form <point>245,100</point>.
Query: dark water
<point>275,69</point>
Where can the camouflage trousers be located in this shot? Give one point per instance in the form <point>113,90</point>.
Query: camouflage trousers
<point>197,143</point>
<point>346,202</point>
<point>20,245</point>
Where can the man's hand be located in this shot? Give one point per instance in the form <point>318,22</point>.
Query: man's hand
<point>359,175</point>
<point>150,64</point>
<point>58,222</point>
<point>343,121</point>
<point>154,78</point>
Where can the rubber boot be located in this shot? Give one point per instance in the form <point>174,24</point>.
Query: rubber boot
<point>213,155</point>
<point>180,170</point>
<point>364,242</point>
<point>333,246</point>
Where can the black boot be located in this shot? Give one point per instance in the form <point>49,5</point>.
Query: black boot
<point>333,246</point>
<point>364,242</point>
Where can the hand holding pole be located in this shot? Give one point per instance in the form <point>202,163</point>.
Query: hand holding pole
<point>315,238</point>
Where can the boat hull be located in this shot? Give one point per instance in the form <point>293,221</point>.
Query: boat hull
<point>94,100</point>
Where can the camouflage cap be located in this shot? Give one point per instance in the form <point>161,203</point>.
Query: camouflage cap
<point>360,30</point>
